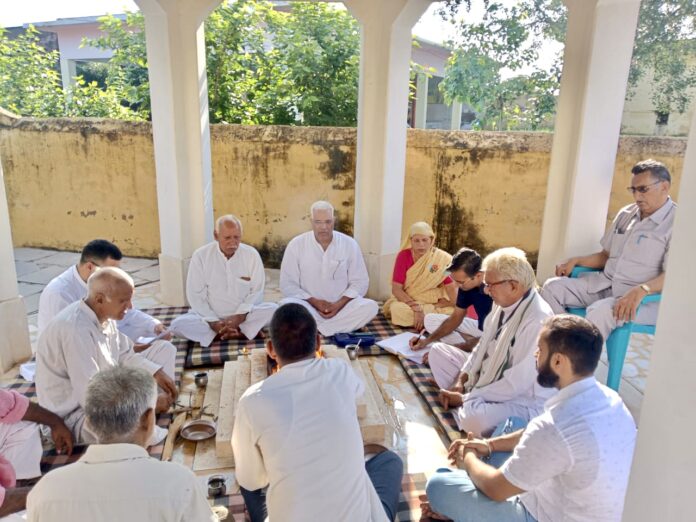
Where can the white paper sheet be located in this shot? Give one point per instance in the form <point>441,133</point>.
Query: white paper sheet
<point>398,345</point>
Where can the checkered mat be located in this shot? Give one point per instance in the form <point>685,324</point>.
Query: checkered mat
<point>412,489</point>
<point>221,351</point>
<point>421,376</point>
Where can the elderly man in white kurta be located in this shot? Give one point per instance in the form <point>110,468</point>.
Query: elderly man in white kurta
<point>224,287</point>
<point>498,379</point>
<point>82,340</point>
<point>71,286</point>
<point>324,271</point>
<point>116,479</point>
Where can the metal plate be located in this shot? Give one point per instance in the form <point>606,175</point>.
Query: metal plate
<point>199,429</point>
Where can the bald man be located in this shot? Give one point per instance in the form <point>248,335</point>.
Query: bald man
<point>84,339</point>
<point>224,287</point>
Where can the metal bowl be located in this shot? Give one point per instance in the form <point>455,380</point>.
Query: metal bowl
<point>198,429</point>
<point>201,379</point>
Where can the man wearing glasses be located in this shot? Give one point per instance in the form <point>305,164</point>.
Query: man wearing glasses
<point>632,260</point>
<point>498,379</point>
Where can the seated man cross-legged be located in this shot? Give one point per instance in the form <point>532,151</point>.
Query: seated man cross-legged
<point>572,462</point>
<point>224,286</point>
<point>632,260</point>
<point>116,480</point>
<point>324,271</point>
<point>456,329</point>
<point>82,340</point>
<point>497,380</point>
<point>296,433</point>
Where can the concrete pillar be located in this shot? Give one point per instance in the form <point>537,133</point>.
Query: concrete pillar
<point>68,71</point>
<point>597,57</point>
<point>181,134</point>
<point>15,346</point>
<point>456,122</point>
<point>663,464</point>
<point>385,54</point>
<point>421,101</point>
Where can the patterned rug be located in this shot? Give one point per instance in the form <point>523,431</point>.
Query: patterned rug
<point>220,352</point>
<point>412,489</point>
<point>420,375</point>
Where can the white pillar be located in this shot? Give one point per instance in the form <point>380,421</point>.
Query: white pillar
<point>456,122</point>
<point>68,71</point>
<point>660,487</point>
<point>421,101</point>
<point>181,134</point>
<point>14,330</point>
<point>597,56</point>
<point>385,54</point>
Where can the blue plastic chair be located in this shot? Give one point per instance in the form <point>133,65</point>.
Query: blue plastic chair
<point>617,343</point>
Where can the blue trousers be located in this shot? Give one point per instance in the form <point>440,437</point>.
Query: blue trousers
<point>385,471</point>
<point>452,493</point>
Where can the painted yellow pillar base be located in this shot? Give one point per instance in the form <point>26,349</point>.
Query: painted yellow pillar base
<point>15,346</point>
<point>173,280</point>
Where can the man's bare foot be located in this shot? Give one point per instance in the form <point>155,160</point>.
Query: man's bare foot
<point>428,514</point>
<point>164,401</point>
<point>449,399</point>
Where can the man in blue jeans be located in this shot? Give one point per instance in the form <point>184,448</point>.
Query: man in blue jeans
<point>570,463</point>
<point>297,445</point>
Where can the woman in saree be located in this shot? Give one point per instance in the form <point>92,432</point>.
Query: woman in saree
<point>419,283</point>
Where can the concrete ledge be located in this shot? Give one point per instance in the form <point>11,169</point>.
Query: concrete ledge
<point>14,334</point>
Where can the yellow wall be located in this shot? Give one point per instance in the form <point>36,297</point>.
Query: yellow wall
<point>69,181</point>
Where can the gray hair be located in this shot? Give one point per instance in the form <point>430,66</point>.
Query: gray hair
<point>657,170</point>
<point>512,264</point>
<point>116,400</point>
<point>228,219</point>
<point>320,205</point>
<point>106,280</point>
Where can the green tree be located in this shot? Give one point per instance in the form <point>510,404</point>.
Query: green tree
<point>511,34</point>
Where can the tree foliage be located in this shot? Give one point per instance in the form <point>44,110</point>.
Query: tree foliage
<point>510,35</point>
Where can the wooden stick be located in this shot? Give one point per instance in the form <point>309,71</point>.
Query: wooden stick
<point>174,429</point>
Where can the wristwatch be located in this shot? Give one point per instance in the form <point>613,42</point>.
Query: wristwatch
<point>646,288</point>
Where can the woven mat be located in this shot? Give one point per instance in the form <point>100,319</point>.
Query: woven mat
<point>420,375</point>
<point>220,352</point>
<point>412,489</point>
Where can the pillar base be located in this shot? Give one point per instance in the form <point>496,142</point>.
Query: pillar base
<point>173,273</point>
<point>15,346</point>
<point>380,269</point>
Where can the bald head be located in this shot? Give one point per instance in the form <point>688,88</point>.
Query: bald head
<point>109,293</point>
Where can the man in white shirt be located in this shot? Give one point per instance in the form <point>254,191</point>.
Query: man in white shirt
<point>632,260</point>
<point>324,271</point>
<point>82,340</point>
<point>116,479</point>
<point>71,286</point>
<point>498,379</point>
<point>570,463</point>
<point>224,287</point>
<point>297,434</point>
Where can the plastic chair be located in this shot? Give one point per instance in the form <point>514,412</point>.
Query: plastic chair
<point>617,343</point>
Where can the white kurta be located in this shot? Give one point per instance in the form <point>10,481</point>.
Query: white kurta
<point>217,287</point>
<point>308,271</point>
<point>297,432</point>
<point>69,287</point>
<point>74,347</point>
<point>516,393</point>
<point>119,482</point>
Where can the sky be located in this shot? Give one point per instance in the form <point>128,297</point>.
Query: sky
<point>18,12</point>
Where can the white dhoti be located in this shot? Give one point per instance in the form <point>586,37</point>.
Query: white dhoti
<point>20,444</point>
<point>475,415</point>
<point>356,314</point>
<point>162,353</point>
<point>468,326</point>
<point>194,327</point>
<point>564,292</point>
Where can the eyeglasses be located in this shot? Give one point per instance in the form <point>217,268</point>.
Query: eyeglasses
<point>491,285</point>
<point>643,188</point>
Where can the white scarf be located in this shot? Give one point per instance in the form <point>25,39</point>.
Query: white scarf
<point>499,361</point>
